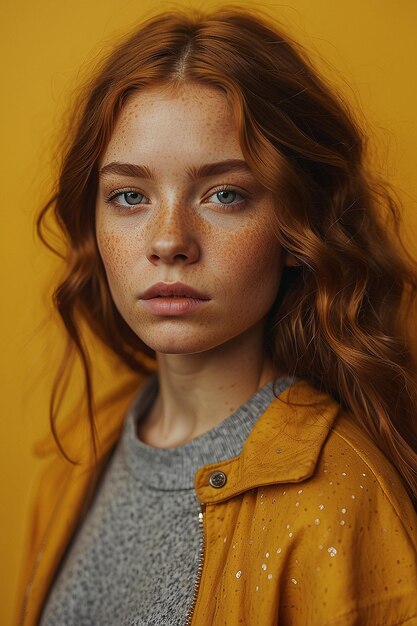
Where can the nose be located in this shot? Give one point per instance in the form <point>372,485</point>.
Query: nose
<point>172,238</point>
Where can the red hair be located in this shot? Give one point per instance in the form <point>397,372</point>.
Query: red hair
<point>340,317</point>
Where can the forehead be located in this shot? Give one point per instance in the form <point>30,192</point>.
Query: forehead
<point>200,101</point>
<point>193,118</point>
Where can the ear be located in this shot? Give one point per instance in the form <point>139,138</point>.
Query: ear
<point>290,260</point>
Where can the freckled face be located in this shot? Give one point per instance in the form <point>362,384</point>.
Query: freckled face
<point>172,227</point>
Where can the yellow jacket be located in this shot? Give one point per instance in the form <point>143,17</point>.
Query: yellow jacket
<point>308,526</point>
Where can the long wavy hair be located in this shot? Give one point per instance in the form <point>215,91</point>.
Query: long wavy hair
<point>340,318</point>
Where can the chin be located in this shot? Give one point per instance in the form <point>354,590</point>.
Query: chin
<point>180,343</point>
<point>175,345</point>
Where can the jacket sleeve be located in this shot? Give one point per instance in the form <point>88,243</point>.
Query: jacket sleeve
<point>44,497</point>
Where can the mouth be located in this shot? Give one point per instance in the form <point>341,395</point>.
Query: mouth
<point>175,305</point>
<point>173,290</point>
<point>177,297</point>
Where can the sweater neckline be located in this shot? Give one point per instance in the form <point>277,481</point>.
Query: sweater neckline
<point>174,468</point>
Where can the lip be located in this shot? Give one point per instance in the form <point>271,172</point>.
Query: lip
<point>177,289</point>
<point>168,306</point>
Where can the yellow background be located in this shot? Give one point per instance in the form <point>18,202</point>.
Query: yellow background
<point>370,53</point>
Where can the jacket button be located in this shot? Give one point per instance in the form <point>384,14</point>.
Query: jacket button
<point>218,479</point>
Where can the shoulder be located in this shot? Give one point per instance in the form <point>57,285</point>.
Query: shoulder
<point>362,474</point>
<point>346,464</point>
<point>352,534</point>
<point>355,492</point>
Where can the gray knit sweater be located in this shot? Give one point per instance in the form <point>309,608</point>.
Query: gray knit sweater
<point>134,559</point>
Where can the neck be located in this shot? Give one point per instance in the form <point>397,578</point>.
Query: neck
<point>197,391</point>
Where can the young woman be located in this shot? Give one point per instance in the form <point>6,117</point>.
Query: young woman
<point>227,242</point>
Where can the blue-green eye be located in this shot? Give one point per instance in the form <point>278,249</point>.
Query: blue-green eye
<point>228,195</point>
<point>132,197</point>
<point>221,195</point>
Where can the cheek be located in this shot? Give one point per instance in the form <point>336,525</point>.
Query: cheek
<point>117,252</point>
<point>251,260</point>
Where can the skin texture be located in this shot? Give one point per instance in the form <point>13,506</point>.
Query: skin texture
<point>172,229</point>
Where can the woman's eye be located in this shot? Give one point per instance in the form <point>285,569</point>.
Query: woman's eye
<point>132,198</point>
<point>226,196</point>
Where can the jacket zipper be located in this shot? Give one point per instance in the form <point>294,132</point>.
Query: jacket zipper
<point>200,563</point>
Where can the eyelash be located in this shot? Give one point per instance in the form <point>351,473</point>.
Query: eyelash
<point>110,199</point>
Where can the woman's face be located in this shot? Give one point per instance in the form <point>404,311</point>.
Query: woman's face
<point>168,221</point>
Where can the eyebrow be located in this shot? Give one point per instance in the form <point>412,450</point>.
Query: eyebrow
<point>201,171</point>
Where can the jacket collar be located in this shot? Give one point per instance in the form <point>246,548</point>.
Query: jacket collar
<point>283,446</point>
